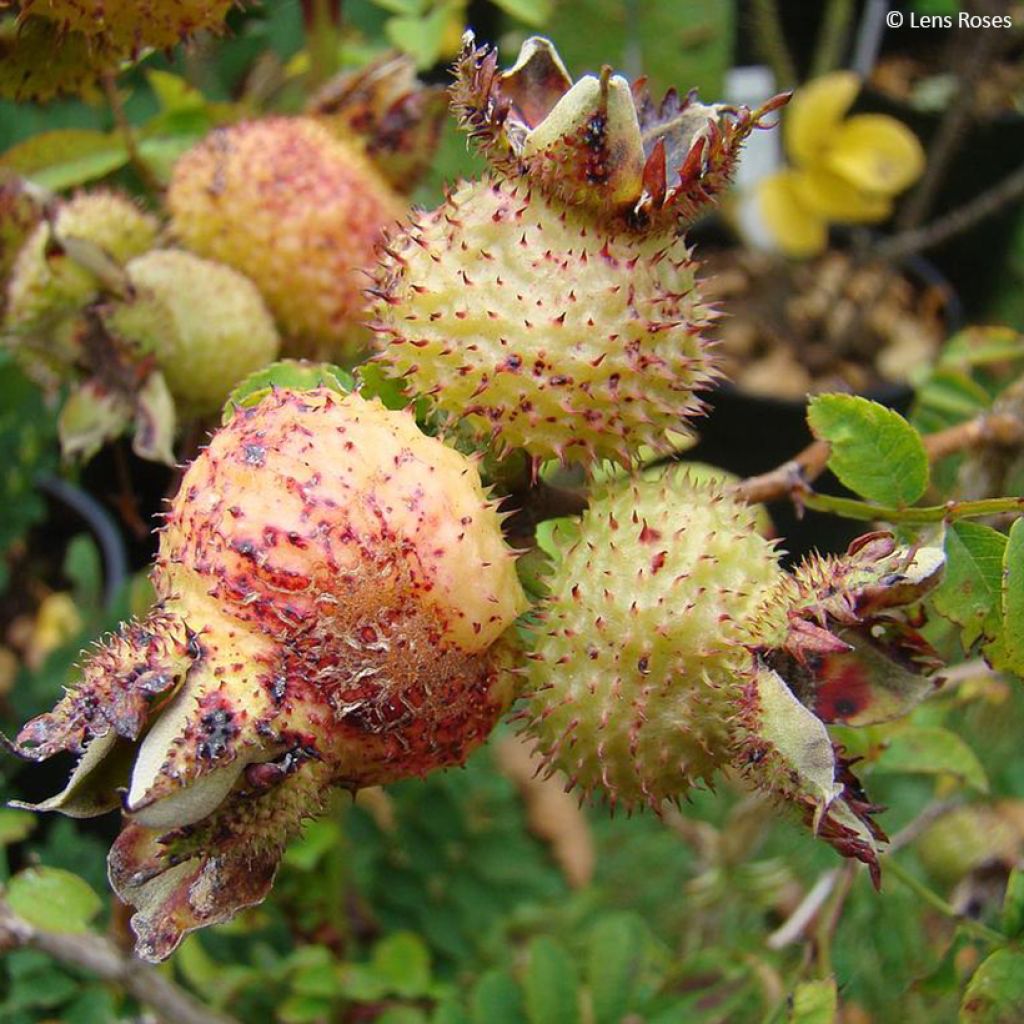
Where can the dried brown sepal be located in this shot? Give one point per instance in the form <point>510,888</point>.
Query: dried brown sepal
<point>116,693</point>
<point>396,118</point>
<point>851,651</point>
<point>601,143</point>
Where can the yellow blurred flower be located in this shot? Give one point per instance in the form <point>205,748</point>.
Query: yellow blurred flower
<point>843,169</point>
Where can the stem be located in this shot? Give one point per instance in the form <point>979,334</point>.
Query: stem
<point>976,61</point>
<point>99,957</point>
<point>772,42</point>
<point>127,132</point>
<point>323,26</point>
<point>916,240</point>
<point>835,30</point>
<point>829,919</point>
<point>793,477</point>
<point>936,902</point>
<point>851,508</point>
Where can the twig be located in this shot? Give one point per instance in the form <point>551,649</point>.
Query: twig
<point>127,132</point>
<point>869,37</point>
<point>788,479</point>
<point>99,957</point>
<point>833,36</point>
<point>772,42</point>
<point>828,920</point>
<point>975,63</point>
<point>793,927</point>
<point>916,240</point>
<point>793,477</point>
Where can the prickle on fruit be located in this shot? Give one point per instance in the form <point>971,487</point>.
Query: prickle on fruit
<point>128,26</point>
<point>706,655</point>
<point>206,325</point>
<point>553,305</point>
<point>297,211</point>
<point>332,592</point>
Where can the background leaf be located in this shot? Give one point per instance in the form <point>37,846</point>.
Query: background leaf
<point>53,898</point>
<point>970,592</point>
<point>995,995</point>
<point>930,750</point>
<point>551,984</point>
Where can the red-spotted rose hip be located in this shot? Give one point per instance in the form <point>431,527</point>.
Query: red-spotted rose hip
<point>297,211</point>
<point>332,592</point>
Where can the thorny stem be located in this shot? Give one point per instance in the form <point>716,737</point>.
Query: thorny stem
<point>835,30</point>
<point>127,132</point>
<point>772,42</point>
<point>101,958</point>
<point>934,900</point>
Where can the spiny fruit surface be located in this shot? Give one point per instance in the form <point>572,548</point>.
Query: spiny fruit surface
<point>130,25</point>
<point>640,647</point>
<point>332,587</point>
<point>45,281</point>
<point>39,60</point>
<point>206,324</point>
<point>298,212</point>
<point>519,314</point>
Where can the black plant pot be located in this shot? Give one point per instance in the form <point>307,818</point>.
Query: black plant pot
<point>749,434</point>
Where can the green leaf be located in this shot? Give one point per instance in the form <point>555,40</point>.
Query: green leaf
<point>15,825</point>
<point>875,451</point>
<point>535,13</point>
<point>67,157</point>
<point>303,1010</point>
<point>53,899</point>
<point>551,984</point>
<point>683,45</point>
<point>420,36</point>
<point>930,750</point>
<point>815,1002</point>
<point>1013,601</point>
<point>614,959</point>
<point>83,566</point>
<point>173,93</point>
<point>286,373</point>
<point>970,592</point>
<point>995,995</point>
<point>402,961</point>
<point>496,999</point>
<point>1013,905</point>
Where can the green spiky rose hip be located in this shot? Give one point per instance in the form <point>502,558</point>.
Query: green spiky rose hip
<point>542,328</point>
<point>332,593</point>
<point>632,681</point>
<point>672,645</point>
